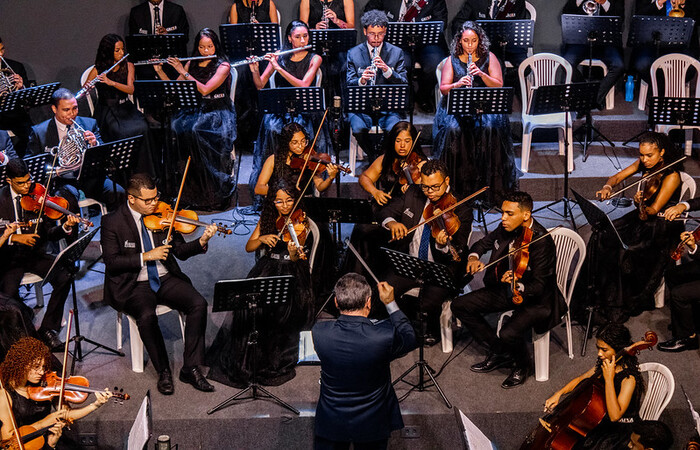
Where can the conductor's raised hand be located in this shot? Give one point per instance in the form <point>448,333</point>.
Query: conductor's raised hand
<point>386,292</point>
<point>157,254</point>
<point>398,230</point>
<point>474,265</point>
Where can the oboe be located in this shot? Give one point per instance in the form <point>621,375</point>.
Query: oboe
<point>262,58</point>
<point>164,61</point>
<point>91,84</point>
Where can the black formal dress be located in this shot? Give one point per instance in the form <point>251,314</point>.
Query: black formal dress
<point>122,248</point>
<point>338,64</point>
<point>15,321</point>
<point>357,402</point>
<point>17,120</point>
<point>27,412</point>
<point>478,151</point>
<point>245,13</point>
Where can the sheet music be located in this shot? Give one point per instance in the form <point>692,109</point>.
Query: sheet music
<point>307,352</point>
<point>476,440</point>
<point>696,416</point>
<point>140,431</point>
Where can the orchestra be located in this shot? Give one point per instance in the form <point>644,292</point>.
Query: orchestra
<point>424,192</point>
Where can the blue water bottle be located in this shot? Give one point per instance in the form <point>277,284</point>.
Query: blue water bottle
<point>629,89</point>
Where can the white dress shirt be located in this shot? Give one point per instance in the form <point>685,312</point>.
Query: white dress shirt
<point>143,274</point>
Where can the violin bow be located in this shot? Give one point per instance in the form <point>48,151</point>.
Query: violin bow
<point>46,194</point>
<point>359,258</point>
<point>12,417</point>
<point>65,361</point>
<point>515,250</point>
<point>313,144</point>
<point>177,202</point>
<point>415,141</point>
<point>646,177</point>
<point>294,208</point>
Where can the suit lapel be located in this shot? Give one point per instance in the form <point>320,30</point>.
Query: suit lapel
<point>51,134</point>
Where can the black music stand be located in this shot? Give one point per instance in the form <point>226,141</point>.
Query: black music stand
<point>509,34</point>
<point>328,43</point>
<point>660,31</point>
<point>563,98</point>
<point>241,40</point>
<point>409,36</point>
<point>424,272</point>
<point>109,158</point>
<point>291,100</point>
<point>65,261</point>
<point>600,223</point>
<point>253,295</point>
<point>28,97</point>
<point>591,30</point>
<point>143,47</point>
<point>337,210</point>
<point>680,111</point>
<point>36,165</point>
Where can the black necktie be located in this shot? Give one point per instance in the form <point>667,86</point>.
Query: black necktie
<point>156,19</point>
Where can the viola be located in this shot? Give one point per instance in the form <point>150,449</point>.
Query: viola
<point>77,389</point>
<point>185,221</point>
<point>580,412</point>
<point>54,207</point>
<point>413,10</point>
<point>519,261</point>
<point>649,187</point>
<point>408,169</point>
<point>678,252</point>
<point>445,221</point>
<point>314,161</point>
<point>294,228</point>
<point>32,439</point>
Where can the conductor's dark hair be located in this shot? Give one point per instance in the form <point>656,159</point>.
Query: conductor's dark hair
<point>432,166</point>
<point>481,50</point>
<point>211,34</point>
<point>16,168</point>
<point>523,199</point>
<point>374,18</point>
<point>61,94</point>
<point>105,53</point>
<point>140,181</point>
<point>653,434</point>
<point>351,292</point>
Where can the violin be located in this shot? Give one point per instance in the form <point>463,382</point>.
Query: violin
<point>413,10</point>
<point>185,221</point>
<point>28,224</point>
<point>408,169</point>
<point>446,221</point>
<point>31,438</point>
<point>678,252</point>
<point>77,389</point>
<point>649,187</point>
<point>294,228</point>
<point>580,412</point>
<point>312,160</point>
<point>518,262</point>
<point>54,207</point>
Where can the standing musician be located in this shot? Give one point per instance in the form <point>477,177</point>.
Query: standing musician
<point>429,56</point>
<point>141,273</point>
<point>542,306</point>
<point>611,56</point>
<point>26,250</point>
<point>52,132</point>
<point>7,150</point>
<point>374,62</point>
<point>158,17</point>
<point>18,121</point>
<point>253,11</point>
<point>26,364</point>
<point>427,242</point>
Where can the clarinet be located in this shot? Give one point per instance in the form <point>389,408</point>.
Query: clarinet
<point>324,3</point>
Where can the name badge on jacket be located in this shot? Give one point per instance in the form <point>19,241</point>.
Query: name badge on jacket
<point>496,245</point>
<point>408,213</point>
<point>128,244</point>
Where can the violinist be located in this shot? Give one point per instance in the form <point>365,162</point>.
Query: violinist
<point>278,339</point>
<point>624,387</point>
<point>141,273</point>
<point>427,241</point>
<point>26,250</point>
<point>25,365</point>
<point>541,308</point>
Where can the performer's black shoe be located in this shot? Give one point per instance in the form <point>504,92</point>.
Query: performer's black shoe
<point>165,382</point>
<point>492,362</point>
<point>51,339</point>
<point>515,379</point>
<point>679,345</point>
<point>194,377</point>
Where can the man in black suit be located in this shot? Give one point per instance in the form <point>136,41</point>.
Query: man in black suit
<point>407,211</point>
<point>18,121</point>
<point>158,17</point>
<point>542,305</point>
<point>26,250</point>
<point>50,133</point>
<point>7,150</point>
<point>357,403</point>
<point>610,55</point>
<point>390,69</point>
<point>141,273</point>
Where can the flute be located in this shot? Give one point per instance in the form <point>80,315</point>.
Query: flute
<point>163,61</point>
<point>278,53</point>
<point>91,84</point>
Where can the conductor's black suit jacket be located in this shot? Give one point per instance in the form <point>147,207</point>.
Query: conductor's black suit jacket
<point>121,248</point>
<point>357,402</point>
<point>174,19</point>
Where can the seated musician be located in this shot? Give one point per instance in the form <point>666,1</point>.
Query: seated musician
<point>610,55</point>
<point>650,435</point>
<point>429,56</point>
<point>72,131</point>
<point>541,306</point>
<point>26,250</point>
<point>25,365</point>
<point>158,17</point>
<point>627,279</point>
<point>17,121</point>
<point>7,150</point>
<point>374,62</point>
<point>253,11</point>
<point>407,211</point>
<point>624,387</point>
<point>141,273</point>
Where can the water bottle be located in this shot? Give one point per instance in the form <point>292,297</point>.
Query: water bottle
<point>629,89</point>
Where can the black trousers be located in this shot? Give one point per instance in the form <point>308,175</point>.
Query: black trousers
<point>470,309</point>
<point>684,291</point>
<point>178,295</point>
<point>326,444</point>
<point>429,57</point>
<point>39,264</point>
<point>611,56</point>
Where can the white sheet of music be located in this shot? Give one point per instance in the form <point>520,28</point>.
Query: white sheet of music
<point>140,431</point>
<point>475,438</point>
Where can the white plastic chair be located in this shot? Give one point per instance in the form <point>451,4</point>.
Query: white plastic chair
<point>438,74</point>
<point>674,68</point>
<point>544,68</point>
<point>313,231</point>
<point>36,280</point>
<point>234,81</point>
<point>83,80</point>
<point>660,388</point>
<point>610,96</point>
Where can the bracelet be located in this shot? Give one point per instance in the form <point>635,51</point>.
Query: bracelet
<point>186,75</point>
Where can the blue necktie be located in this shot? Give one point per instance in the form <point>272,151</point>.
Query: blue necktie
<point>153,278</point>
<point>668,8</point>
<point>424,243</point>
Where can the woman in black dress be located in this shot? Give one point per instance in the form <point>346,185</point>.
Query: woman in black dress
<point>279,326</point>
<point>253,11</point>
<point>115,113</point>
<point>207,133</point>
<point>477,152</point>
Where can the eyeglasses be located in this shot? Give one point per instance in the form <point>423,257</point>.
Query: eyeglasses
<point>296,143</point>
<point>432,188</point>
<point>23,183</point>
<point>289,201</point>
<point>148,201</point>
<point>376,35</point>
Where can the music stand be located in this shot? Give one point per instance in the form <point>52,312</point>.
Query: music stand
<point>28,97</point>
<point>143,47</point>
<point>36,165</point>
<point>509,34</point>
<point>660,31</point>
<point>591,30</point>
<point>291,100</point>
<point>337,210</point>
<point>424,272</point>
<point>332,42</point>
<point>600,223</point>
<point>241,40</point>
<point>253,295</point>
<point>65,261</point>
<point>563,98</point>
<point>680,111</point>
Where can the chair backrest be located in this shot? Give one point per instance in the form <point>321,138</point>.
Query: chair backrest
<point>687,185</point>
<point>674,68</point>
<point>83,80</point>
<point>531,9</point>
<point>543,72</point>
<point>234,82</point>
<point>317,80</point>
<point>570,246</point>
<point>313,231</point>
<point>660,387</point>
<point>438,74</point>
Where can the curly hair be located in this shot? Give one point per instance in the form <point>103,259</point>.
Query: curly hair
<point>105,53</point>
<point>481,50</point>
<point>19,360</point>
<point>282,151</point>
<point>269,214</point>
<point>618,336</point>
<point>389,146</point>
<point>374,18</point>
